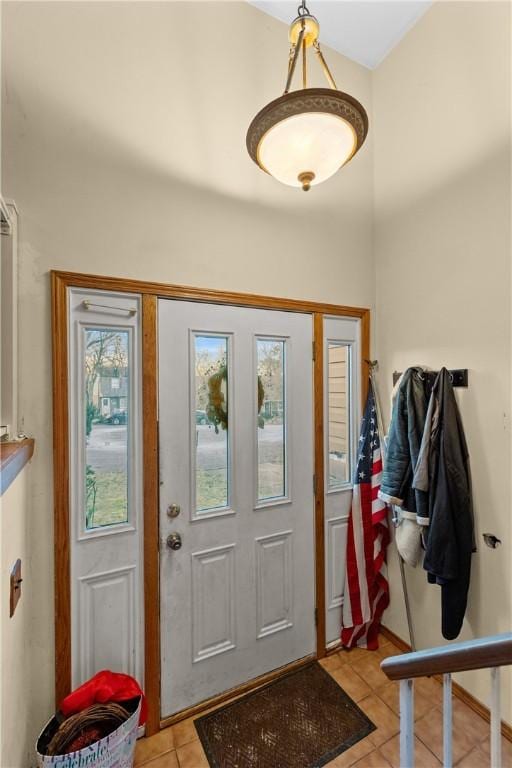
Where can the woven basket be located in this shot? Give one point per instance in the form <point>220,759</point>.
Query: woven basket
<point>87,727</point>
<point>116,750</point>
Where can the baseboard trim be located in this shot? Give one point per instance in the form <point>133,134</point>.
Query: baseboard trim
<point>458,691</point>
<point>405,647</point>
<point>334,648</point>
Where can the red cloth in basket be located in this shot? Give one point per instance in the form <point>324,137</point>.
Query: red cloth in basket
<point>104,686</point>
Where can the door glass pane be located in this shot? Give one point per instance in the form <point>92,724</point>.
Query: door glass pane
<point>211,422</point>
<point>107,397</point>
<point>271,419</point>
<point>338,361</point>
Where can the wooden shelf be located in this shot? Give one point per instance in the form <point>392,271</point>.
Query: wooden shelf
<point>13,457</point>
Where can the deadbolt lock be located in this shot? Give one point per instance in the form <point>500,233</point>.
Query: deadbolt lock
<point>173,510</point>
<point>174,541</point>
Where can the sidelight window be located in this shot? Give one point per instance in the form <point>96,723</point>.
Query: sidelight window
<point>106,377</point>
<point>338,376</point>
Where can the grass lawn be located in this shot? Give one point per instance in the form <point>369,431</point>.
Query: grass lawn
<point>212,485</point>
<point>211,488</point>
<point>111,503</point>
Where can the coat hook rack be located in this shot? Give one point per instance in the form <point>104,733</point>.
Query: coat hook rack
<point>459,377</point>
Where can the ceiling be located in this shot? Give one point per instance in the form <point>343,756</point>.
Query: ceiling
<point>363,30</point>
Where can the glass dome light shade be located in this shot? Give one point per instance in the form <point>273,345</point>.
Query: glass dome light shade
<point>304,137</point>
<point>314,143</point>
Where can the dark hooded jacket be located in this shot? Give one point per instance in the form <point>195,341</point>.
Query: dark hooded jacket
<point>442,473</point>
<point>403,444</point>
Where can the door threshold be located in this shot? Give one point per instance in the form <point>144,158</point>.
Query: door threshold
<point>250,685</point>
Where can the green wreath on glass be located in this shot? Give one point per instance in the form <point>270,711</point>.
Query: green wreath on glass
<point>217,408</point>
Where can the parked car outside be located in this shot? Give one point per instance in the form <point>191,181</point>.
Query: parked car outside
<point>118,417</point>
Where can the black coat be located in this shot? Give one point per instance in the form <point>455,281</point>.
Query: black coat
<point>443,471</point>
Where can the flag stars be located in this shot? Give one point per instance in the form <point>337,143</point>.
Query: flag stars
<point>362,475</point>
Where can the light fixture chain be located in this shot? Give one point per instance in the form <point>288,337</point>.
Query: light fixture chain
<point>291,69</point>
<point>290,60</point>
<point>303,10</point>
<point>327,71</point>
<point>304,63</point>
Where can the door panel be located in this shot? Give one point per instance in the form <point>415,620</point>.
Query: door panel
<point>213,601</point>
<point>274,583</point>
<point>106,495</point>
<point>237,599</point>
<point>336,545</point>
<point>342,387</point>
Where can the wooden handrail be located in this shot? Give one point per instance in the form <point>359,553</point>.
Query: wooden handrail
<point>13,457</point>
<point>493,651</point>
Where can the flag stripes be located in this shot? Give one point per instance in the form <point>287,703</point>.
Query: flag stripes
<point>366,586</point>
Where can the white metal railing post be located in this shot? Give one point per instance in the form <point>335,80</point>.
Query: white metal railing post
<point>407,723</point>
<point>447,721</point>
<point>491,652</point>
<point>495,718</point>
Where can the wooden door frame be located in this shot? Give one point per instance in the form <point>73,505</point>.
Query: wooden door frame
<point>150,293</point>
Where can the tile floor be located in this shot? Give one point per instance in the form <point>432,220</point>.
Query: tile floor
<point>359,673</point>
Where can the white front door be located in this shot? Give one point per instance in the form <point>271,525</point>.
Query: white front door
<point>236,471</point>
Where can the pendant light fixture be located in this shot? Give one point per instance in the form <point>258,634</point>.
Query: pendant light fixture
<point>305,136</point>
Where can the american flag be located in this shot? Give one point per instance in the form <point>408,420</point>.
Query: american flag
<point>366,586</point>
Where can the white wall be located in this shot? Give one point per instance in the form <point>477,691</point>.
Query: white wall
<point>15,726</point>
<point>124,148</point>
<point>442,233</point>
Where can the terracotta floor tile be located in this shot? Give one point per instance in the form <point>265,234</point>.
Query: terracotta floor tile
<point>369,669</point>
<point>430,688</point>
<point>475,759</point>
<point>184,732</point>
<point>506,750</point>
<point>167,760</point>
<point>383,717</point>
<point>351,683</point>
<point>374,759</point>
<point>423,757</point>
<point>153,746</point>
<point>430,730</point>
<point>390,695</point>
<point>352,755</point>
<point>330,663</point>
<point>385,651</point>
<point>356,654</point>
<point>192,756</point>
<point>344,656</point>
<point>468,720</point>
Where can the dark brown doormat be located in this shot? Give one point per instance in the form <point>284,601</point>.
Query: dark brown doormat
<point>302,720</point>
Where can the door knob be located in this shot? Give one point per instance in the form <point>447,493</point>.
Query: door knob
<point>173,510</point>
<point>174,541</point>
